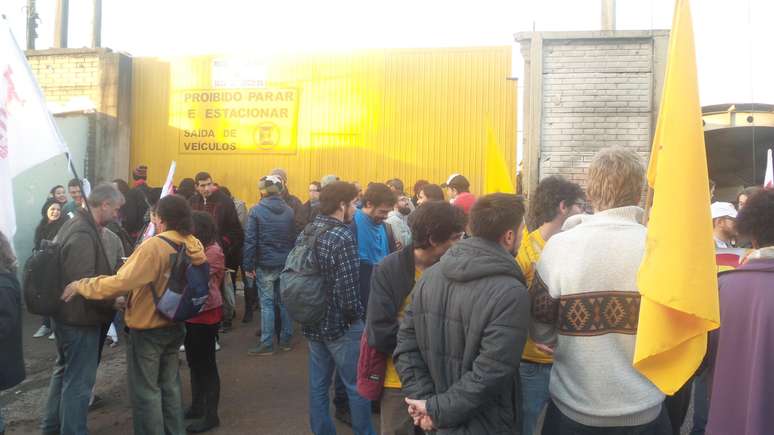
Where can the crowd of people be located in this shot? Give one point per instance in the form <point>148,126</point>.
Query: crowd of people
<point>446,312</point>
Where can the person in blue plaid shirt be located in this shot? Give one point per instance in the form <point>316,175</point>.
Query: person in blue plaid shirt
<point>334,343</point>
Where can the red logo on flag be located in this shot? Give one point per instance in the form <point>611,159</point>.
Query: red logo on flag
<point>6,97</point>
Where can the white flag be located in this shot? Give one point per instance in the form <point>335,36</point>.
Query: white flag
<point>768,181</point>
<point>28,134</point>
<point>150,230</point>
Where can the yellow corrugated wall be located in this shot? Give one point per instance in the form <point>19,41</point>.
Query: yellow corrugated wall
<point>365,116</point>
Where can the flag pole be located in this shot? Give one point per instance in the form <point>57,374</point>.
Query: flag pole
<point>648,205</point>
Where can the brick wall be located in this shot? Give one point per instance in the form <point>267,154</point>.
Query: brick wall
<point>596,94</point>
<point>585,91</point>
<point>64,74</point>
<point>104,78</point>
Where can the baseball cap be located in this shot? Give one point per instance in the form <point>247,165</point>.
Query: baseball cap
<point>271,184</point>
<point>722,209</point>
<point>328,179</point>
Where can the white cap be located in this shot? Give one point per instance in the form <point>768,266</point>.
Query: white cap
<point>723,209</point>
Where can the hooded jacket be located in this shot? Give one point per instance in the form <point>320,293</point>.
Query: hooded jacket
<point>461,338</point>
<point>270,234</point>
<point>146,271</point>
<point>11,358</point>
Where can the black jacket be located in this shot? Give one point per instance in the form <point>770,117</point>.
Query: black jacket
<point>83,256</point>
<point>231,236</point>
<point>11,357</point>
<point>135,208</point>
<point>391,281</point>
<point>460,342</point>
<point>300,215</point>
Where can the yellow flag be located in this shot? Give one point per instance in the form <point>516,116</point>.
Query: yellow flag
<point>497,176</point>
<point>677,278</point>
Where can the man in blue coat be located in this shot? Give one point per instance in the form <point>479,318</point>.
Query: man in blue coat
<point>270,238</point>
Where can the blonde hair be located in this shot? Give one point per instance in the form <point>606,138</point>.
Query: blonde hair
<point>615,179</point>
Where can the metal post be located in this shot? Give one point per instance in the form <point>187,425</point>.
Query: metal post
<point>608,15</point>
<point>32,24</point>
<point>60,26</point>
<point>96,30</point>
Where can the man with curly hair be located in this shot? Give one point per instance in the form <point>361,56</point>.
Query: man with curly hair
<point>555,199</point>
<point>435,228</point>
<point>585,304</point>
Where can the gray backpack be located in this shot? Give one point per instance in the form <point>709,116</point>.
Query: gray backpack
<point>302,286</point>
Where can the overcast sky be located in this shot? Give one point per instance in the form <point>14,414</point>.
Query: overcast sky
<point>733,39</point>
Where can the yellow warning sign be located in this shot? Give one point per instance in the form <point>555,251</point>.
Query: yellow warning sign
<point>236,121</point>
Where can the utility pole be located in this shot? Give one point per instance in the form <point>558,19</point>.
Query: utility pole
<point>608,15</point>
<point>60,25</point>
<point>96,29</point>
<point>32,24</point>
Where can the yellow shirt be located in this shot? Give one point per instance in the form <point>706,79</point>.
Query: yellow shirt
<point>391,379</point>
<point>532,245</point>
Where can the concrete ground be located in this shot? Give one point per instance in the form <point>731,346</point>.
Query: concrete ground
<point>267,395</point>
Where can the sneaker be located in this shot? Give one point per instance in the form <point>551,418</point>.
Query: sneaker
<point>285,346</point>
<point>217,346</point>
<point>261,350</point>
<point>42,331</point>
<point>52,336</point>
<point>182,348</point>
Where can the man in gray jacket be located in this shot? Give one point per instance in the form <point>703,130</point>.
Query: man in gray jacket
<point>461,338</point>
<point>77,324</point>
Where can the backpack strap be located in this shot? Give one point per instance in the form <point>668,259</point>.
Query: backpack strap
<point>174,245</point>
<point>392,244</point>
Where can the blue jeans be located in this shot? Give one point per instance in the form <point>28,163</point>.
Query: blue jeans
<point>700,404</point>
<point>341,355</point>
<point>534,393</point>
<point>74,375</point>
<point>267,280</point>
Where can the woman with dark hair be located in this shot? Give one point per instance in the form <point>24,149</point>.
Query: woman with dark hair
<point>58,194</point>
<point>47,229</point>
<point>742,350</point>
<point>187,188</point>
<point>122,186</point>
<point>418,188</point>
<point>201,333</point>
<point>51,222</point>
<point>154,340</point>
<point>430,192</point>
<point>11,356</point>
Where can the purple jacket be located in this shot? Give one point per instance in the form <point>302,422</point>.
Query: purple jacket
<point>743,348</point>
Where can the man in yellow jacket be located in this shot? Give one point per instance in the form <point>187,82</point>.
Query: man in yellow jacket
<point>554,200</point>
<point>151,351</point>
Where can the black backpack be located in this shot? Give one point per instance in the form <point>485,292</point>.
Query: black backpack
<point>42,277</point>
<point>42,280</point>
<point>302,286</point>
